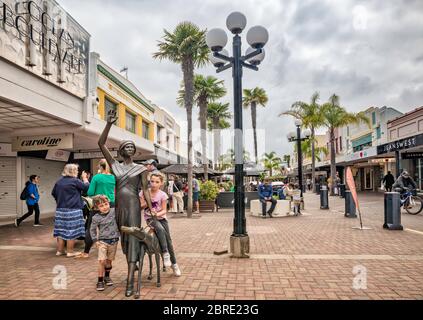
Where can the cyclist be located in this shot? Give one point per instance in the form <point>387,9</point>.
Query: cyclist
<point>405,183</point>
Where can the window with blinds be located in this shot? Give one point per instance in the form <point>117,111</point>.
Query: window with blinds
<point>130,122</point>
<point>109,105</point>
<point>145,130</point>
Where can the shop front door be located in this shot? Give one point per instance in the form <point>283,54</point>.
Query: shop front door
<point>368,178</point>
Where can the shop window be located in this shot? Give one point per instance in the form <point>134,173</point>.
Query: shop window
<point>373,117</point>
<point>348,131</point>
<point>130,122</point>
<point>145,130</point>
<point>158,134</point>
<point>109,105</point>
<point>340,143</point>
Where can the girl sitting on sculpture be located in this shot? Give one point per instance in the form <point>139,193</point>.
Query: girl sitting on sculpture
<point>160,224</point>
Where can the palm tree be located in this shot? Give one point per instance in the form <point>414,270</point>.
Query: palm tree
<point>254,97</point>
<point>217,115</point>
<point>270,162</point>
<point>206,90</point>
<point>311,116</point>
<point>307,149</point>
<point>187,47</point>
<point>336,116</point>
<point>287,159</point>
<point>227,160</point>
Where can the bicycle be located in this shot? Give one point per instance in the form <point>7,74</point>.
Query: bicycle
<point>413,204</point>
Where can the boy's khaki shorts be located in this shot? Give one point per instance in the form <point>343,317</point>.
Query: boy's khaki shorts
<point>107,251</point>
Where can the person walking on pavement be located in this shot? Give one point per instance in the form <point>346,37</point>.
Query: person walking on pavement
<point>308,184</point>
<point>69,221</point>
<point>32,199</point>
<point>103,183</point>
<point>169,192</point>
<point>177,196</point>
<point>265,191</point>
<point>388,181</point>
<point>196,193</point>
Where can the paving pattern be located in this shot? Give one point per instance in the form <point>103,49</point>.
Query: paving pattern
<point>315,256</point>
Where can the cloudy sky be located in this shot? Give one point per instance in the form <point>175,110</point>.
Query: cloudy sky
<point>370,53</point>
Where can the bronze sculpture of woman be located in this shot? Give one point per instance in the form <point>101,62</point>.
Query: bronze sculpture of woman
<point>130,179</point>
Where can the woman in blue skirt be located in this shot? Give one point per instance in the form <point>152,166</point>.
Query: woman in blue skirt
<point>69,222</point>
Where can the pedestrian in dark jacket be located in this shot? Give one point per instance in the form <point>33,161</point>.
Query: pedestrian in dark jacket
<point>265,191</point>
<point>405,182</point>
<point>388,181</point>
<point>69,222</point>
<point>32,199</point>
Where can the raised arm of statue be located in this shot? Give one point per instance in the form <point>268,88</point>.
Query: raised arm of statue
<point>111,119</point>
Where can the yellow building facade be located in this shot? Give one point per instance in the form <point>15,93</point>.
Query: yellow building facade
<point>135,113</point>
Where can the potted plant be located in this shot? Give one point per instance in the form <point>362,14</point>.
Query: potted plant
<point>208,194</point>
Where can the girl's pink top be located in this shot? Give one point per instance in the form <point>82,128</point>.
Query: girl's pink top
<point>156,202</point>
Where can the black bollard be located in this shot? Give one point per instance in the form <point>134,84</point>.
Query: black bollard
<point>324,200</point>
<point>317,188</point>
<point>342,190</point>
<point>392,211</point>
<point>349,205</point>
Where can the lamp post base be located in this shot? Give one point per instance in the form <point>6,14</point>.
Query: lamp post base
<point>240,246</point>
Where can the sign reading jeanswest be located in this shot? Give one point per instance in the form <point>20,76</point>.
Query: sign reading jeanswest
<point>401,144</point>
<point>47,142</point>
<point>39,34</point>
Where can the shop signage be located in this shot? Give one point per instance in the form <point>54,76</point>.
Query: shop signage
<point>370,152</point>
<point>58,155</point>
<point>402,144</point>
<point>39,34</point>
<point>45,27</point>
<point>412,155</point>
<point>382,160</point>
<point>6,150</point>
<point>92,155</point>
<point>46,142</point>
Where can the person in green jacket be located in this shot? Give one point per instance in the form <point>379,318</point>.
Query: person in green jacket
<point>103,183</point>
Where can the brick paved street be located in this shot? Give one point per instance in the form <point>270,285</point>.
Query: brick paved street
<point>307,257</point>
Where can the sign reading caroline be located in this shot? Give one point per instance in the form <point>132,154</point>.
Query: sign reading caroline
<point>40,36</point>
<point>47,142</point>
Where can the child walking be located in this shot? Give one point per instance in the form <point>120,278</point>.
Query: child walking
<point>160,224</point>
<point>105,234</point>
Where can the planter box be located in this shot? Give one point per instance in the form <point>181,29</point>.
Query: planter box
<point>207,205</point>
<point>226,199</point>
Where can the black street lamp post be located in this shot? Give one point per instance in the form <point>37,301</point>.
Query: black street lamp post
<point>298,138</point>
<point>217,39</point>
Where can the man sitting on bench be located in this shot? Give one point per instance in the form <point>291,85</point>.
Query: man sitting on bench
<point>265,192</point>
